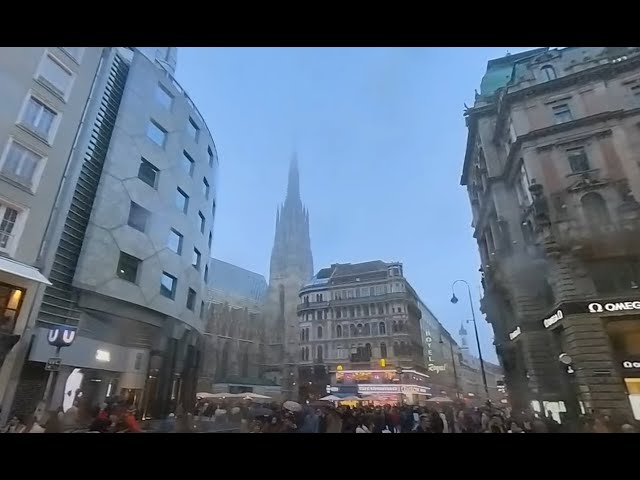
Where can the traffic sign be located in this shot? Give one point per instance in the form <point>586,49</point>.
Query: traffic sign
<point>53,364</point>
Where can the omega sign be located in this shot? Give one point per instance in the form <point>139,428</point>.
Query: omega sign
<point>629,364</point>
<point>553,319</point>
<point>613,307</point>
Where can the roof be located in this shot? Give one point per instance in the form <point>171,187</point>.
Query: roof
<point>232,280</point>
<point>500,70</point>
<point>358,268</point>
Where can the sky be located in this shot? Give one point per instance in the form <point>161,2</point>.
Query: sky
<point>380,137</point>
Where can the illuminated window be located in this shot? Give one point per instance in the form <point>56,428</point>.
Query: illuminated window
<point>10,302</point>
<point>128,267</point>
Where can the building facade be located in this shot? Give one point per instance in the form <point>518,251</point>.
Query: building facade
<point>291,267</point>
<point>44,92</point>
<point>359,329</point>
<point>235,353</point>
<point>128,259</point>
<point>551,169</point>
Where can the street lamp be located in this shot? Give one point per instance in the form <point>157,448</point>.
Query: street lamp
<point>453,363</point>
<point>454,300</point>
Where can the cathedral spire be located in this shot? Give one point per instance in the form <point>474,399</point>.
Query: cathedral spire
<point>293,187</point>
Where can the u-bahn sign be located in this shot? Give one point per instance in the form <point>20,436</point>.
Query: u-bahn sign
<point>61,335</point>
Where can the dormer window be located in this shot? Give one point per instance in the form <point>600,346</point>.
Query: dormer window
<point>548,72</point>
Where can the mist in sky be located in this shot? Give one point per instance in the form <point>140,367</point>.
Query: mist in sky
<point>380,137</point>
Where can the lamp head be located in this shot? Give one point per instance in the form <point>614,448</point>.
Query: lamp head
<point>454,299</point>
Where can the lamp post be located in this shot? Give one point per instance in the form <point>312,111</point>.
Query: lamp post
<point>453,364</point>
<point>454,300</point>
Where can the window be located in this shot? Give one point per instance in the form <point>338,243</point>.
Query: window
<point>195,259</point>
<point>38,117</point>
<point>578,160</point>
<point>338,313</point>
<point>148,173</point>
<point>319,353</point>
<point>635,91</point>
<point>339,331</point>
<point>187,163</point>
<point>213,210</point>
<point>74,52</point>
<point>168,285</point>
<point>206,273</point>
<point>192,129</point>
<point>7,225</point>
<point>128,267</point>
<point>55,75</point>
<point>522,186</point>
<point>138,217</point>
<point>383,350</point>
<point>319,332</point>
<point>615,275</point>
<point>382,328</point>
<point>191,299</point>
<point>182,200</point>
<point>562,113</point>
<point>163,97</point>
<point>10,303</point>
<point>548,72</point>
<point>175,241</point>
<point>595,210</point>
<point>205,188</point>
<point>210,240</point>
<point>202,310</point>
<point>156,134</point>
<point>20,163</point>
<point>211,157</point>
<point>203,222</point>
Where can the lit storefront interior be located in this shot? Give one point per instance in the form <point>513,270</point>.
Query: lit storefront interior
<point>381,387</point>
<point>625,342</point>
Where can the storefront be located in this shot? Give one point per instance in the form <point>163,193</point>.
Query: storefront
<point>91,370</point>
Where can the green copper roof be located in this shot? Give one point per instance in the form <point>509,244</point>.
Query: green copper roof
<point>495,78</point>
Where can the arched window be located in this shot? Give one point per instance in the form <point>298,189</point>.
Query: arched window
<point>383,350</point>
<point>302,335</point>
<point>394,327</point>
<point>339,331</point>
<point>400,326</point>
<point>403,348</point>
<point>306,353</point>
<point>367,351</point>
<point>319,353</point>
<point>352,330</point>
<point>595,210</point>
<point>383,328</point>
<point>367,330</point>
<point>359,329</point>
<point>319,331</point>
<point>548,72</point>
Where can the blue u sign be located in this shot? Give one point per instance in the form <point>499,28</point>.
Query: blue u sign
<point>61,335</point>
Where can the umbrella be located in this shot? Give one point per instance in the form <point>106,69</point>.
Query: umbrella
<point>217,395</point>
<point>292,406</point>
<point>255,396</point>
<point>330,398</point>
<point>351,398</point>
<point>205,395</point>
<point>439,400</point>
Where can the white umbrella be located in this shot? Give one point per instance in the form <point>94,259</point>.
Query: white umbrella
<point>256,396</point>
<point>292,406</point>
<point>330,398</point>
<point>205,395</point>
<point>220,395</point>
<point>351,398</point>
<point>439,399</point>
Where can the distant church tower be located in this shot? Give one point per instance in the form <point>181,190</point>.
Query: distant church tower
<point>463,338</point>
<point>291,267</point>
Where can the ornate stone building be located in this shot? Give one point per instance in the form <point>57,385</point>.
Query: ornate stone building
<point>291,268</point>
<point>551,168</point>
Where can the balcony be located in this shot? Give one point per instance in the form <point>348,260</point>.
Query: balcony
<point>387,297</point>
<point>592,240</point>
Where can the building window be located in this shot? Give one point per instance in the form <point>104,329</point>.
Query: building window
<point>211,157</point>
<point>635,91</point>
<point>339,331</point>
<point>38,118</point>
<point>206,273</point>
<point>174,243</point>
<point>562,113</point>
<point>210,240</point>
<point>615,275</point>
<point>365,310</point>
<point>191,299</point>
<point>138,217</point>
<point>182,201</point>
<point>548,72</point>
<point>338,313</point>
<point>203,222</point>
<point>319,353</point>
<point>205,188</point>
<point>7,225</point>
<point>595,210</point>
<point>20,164</point>
<point>195,259</point>
<point>383,350</point>
<point>213,210</point>
<point>74,52</point>
<point>202,310</point>
<point>164,97</point>
<point>148,173</point>
<point>578,160</point>
<point>55,75</point>
<point>382,328</point>
<point>10,303</point>
<point>128,267</point>
<point>192,129</point>
<point>187,163</point>
<point>380,309</point>
<point>319,332</point>
<point>156,134</point>
<point>168,285</point>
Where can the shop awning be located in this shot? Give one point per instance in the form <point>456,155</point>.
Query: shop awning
<point>22,270</point>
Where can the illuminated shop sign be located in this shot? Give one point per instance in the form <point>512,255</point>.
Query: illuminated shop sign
<point>436,368</point>
<point>378,388</point>
<point>553,319</point>
<point>61,335</point>
<point>613,307</point>
<point>411,389</point>
<point>628,364</point>
<point>515,334</point>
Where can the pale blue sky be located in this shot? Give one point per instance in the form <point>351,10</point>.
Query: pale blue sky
<point>380,138</point>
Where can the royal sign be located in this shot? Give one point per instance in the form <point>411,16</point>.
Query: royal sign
<point>61,335</point>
